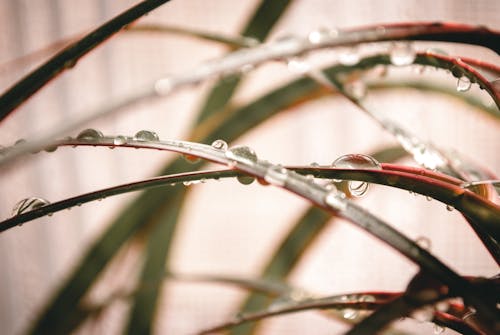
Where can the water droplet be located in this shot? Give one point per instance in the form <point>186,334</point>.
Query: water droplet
<point>367,298</point>
<point>28,204</point>
<point>402,54</point>
<point>423,242</point>
<point>245,179</point>
<point>298,66</point>
<point>51,148</point>
<point>20,141</point>
<point>276,175</point>
<point>220,145</point>
<point>335,199</point>
<point>146,136</point>
<point>314,164</point>
<point>321,35</point>
<point>438,329</point>
<point>449,208</point>
<point>119,140</point>
<point>350,314</point>
<point>89,135</point>
<point>356,89</point>
<point>463,84</point>
<point>428,198</point>
<point>357,161</point>
<point>241,154</point>
<point>423,314</point>
<point>349,57</point>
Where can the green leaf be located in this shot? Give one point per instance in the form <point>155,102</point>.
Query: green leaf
<point>144,306</point>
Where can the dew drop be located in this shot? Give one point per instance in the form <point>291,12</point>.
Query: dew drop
<point>245,179</point>
<point>298,66</point>
<point>449,208</point>
<point>20,141</point>
<point>349,57</point>
<point>356,89</point>
<point>220,145</point>
<point>357,161</point>
<point>241,154</point>
<point>146,136</point>
<point>350,314</point>
<point>276,175</point>
<point>367,298</point>
<point>314,164</point>
<point>89,135</point>
<point>321,35</point>
<point>28,204</point>
<point>428,198</point>
<point>438,329</point>
<point>402,54</point>
<point>51,148</point>
<point>423,242</point>
<point>119,140</point>
<point>463,84</point>
<point>335,199</point>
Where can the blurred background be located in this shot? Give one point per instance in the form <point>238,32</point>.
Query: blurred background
<point>226,228</point>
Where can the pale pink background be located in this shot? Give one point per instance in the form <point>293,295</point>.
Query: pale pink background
<point>227,228</point>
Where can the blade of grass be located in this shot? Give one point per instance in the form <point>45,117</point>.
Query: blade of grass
<point>132,219</point>
<point>68,57</point>
<point>264,18</point>
<point>144,306</point>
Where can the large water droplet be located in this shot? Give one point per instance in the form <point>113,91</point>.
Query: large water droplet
<point>357,161</point>
<point>463,84</point>
<point>89,135</point>
<point>120,140</point>
<point>241,154</point>
<point>28,204</point>
<point>356,89</point>
<point>220,145</point>
<point>349,57</point>
<point>276,175</point>
<point>146,136</point>
<point>402,54</point>
<point>245,179</point>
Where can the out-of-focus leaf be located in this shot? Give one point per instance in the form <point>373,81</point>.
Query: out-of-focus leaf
<point>259,26</point>
<point>144,305</point>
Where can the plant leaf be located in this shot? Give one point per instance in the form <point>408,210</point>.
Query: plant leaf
<point>303,234</point>
<point>144,305</point>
